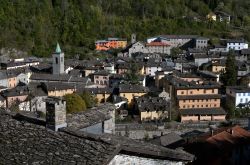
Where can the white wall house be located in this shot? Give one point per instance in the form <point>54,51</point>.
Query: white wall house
<point>236,45</point>
<point>239,95</point>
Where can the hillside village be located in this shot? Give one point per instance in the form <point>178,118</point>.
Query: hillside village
<point>149,84</point>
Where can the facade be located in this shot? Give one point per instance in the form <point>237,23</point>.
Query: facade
<point>196,102</point>
<point>201,42</point>
<point>238,96</point>
<point>132,91</point>
<point>152,108</point>
<point>58,61</point>
<point>151,68</point>
<point>158,47</point>
<point>110,43</point>
<point>137,47</point>
<point>101,78</point>
<point>236,45</point>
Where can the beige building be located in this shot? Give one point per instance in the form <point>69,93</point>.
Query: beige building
<point>132,91</point>
<point>58,89</point>
<point>196,102</point>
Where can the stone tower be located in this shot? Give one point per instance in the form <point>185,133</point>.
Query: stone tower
<point>55,113</point>
<point>133,38</point>
<point>58,61</point>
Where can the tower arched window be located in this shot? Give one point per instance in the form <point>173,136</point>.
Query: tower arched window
<point>56,60</point>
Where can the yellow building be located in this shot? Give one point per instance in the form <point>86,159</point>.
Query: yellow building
<point>132,91</point>
<point>58,89</point>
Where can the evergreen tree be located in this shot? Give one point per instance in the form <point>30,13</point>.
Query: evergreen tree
<point>229,78</point>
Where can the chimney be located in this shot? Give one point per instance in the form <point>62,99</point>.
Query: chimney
<point>55,113</point>
<point>212,131</point>
<point>133,38</point>
<point>231,131</point>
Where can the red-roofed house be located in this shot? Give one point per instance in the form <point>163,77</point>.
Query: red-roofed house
<point>158,47</point>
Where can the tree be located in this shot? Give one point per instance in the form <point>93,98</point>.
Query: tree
<point>89,99</point>
<point>229,78</point>
<point>74,103</point>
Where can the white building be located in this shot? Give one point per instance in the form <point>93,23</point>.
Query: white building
<point>236,45</point>
<point>239,96</point>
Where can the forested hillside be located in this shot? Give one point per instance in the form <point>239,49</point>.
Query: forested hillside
<point>36,25</point>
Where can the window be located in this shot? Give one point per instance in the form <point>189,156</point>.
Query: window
<point>239,94</point>
<point>206,105</point>
<point>182,92</point>
<point>214,105</point>
<point>193,106</point>
<point>241,100</point>
<point>191,92</point>
<point>248,94</point>
<point>244,94</point>
<point>184,106</point>
<point>56,60</point>
<point>212,90</point>
<point>246,100</point>
<point>61,59</point>
<point>205,91</point>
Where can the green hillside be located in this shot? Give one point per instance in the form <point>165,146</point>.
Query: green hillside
<point>36,25</point>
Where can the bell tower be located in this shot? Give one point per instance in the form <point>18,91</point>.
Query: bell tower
<point>58,60</point>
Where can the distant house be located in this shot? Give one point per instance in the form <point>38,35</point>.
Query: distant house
<point>101,77</point>
<point>58,89</point>
<point>131,91</point>
<point>110,43</point>
<point>152,108</point>
<point>236,44</point>
<point>158,47</point>
<point>23,63</point>
<point>238,96</point>
<point>151,67</point>
<point>134,48</point>
<point>184,41</point>
<point>223,17</point>
<point>16,95</point>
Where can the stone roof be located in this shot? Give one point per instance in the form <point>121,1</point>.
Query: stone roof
<point>26,143</point>
<point>54,86</point>
<point>152,104</point>
<point>90,117</point>
<point>182,84</point>
<point>128,88</point>
<point>170,138</point>
<point>239,89</point>
<point>140,148</point>
<point>17,91</point>
<point>59,78</point>
<point>203,111</point>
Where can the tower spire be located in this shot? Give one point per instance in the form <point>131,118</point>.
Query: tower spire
<point>58,49</point>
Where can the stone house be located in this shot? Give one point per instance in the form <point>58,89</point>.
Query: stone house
<point>101,78</point>
<point>152,108</point>
<point>133,48</point>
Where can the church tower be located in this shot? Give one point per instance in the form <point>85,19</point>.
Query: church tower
<point>58,61</point>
